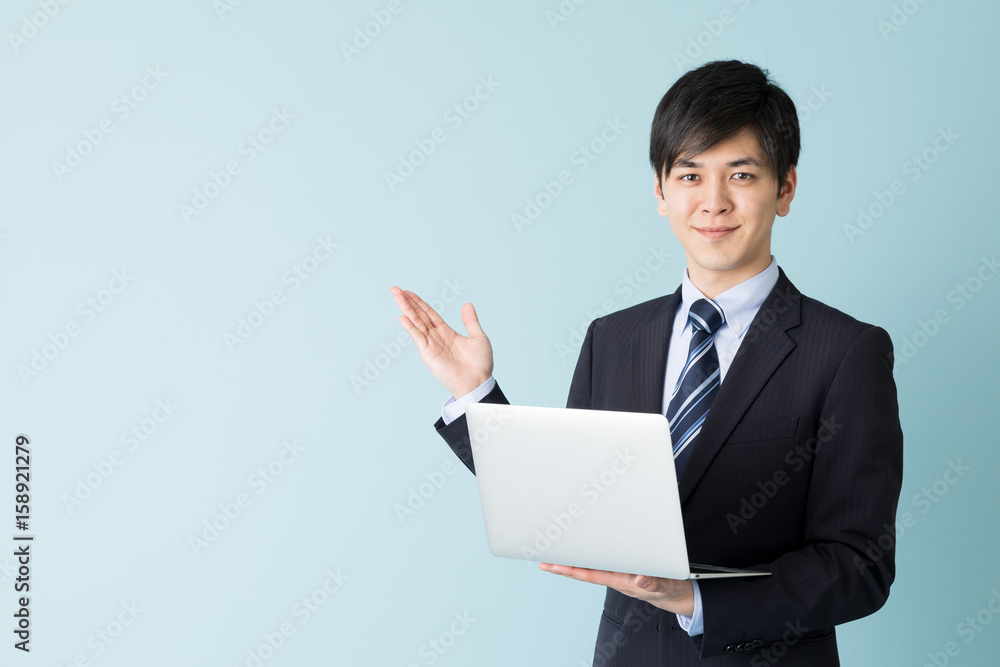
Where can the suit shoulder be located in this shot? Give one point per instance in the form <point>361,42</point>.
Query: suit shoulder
<point>816,309</point>
<point>825,323</point>
<point>637,315</point>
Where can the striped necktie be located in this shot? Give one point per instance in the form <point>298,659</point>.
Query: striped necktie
<point>698,383</point>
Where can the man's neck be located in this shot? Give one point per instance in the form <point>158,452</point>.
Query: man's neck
<point>714,283</point>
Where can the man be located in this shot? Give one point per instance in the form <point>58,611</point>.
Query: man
<point>788,445</point>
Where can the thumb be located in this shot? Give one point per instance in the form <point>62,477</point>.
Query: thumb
<point>471,321</point>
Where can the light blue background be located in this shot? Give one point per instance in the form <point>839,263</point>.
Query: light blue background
<point>367,446</point>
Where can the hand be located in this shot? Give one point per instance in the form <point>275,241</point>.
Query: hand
<point>675,595</point>
<point>460,363</point>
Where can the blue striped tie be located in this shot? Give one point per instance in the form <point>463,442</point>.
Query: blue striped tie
<point>698,383</point>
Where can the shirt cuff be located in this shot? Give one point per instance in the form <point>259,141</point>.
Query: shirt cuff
<point>454,408</point>
<point>695,624</point>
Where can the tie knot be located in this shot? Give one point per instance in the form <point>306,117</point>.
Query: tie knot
<point>706,315</point>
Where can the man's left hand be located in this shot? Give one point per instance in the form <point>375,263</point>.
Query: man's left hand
<point>674,595</point>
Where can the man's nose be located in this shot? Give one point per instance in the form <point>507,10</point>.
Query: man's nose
<point>716,198</point>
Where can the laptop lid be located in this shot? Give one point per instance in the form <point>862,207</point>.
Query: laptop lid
<point>586,488</point>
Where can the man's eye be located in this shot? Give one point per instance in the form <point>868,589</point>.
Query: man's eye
<point>685,177</point>
<point>743,173</point>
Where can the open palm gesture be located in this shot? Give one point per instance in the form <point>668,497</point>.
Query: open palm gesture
<point>460,363</point>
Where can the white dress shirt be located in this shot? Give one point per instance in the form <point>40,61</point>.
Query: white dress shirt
<point>739,305</point>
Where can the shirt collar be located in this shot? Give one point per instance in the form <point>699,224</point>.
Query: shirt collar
<point>739,303</point>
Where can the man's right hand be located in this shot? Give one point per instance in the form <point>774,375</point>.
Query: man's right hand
<point>460,363</point>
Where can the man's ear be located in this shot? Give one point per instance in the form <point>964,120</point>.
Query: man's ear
<point>661,206</point>
<point>787,192</point>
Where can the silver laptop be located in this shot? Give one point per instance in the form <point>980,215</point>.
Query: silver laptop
<point>586,488</point>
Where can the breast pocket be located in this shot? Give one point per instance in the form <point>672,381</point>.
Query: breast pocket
<point>753,452</point>
<point>755,489</point>
<point>763,430</point>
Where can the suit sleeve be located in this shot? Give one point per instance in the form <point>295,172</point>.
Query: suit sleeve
<point>456,434</point>
<point>580,387</point>
<point>846,563</point>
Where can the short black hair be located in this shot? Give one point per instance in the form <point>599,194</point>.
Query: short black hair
<point>716,101</point>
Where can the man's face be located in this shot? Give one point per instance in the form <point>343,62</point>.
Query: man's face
<point>721,204</point>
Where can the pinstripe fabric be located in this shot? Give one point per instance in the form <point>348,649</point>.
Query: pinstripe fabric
<point>698,383</point>
<point>809,395</point>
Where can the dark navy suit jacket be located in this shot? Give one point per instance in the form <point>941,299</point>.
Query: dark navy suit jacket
<point>797,470</point>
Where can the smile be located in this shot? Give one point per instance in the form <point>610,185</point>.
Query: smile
<point>715,232</point>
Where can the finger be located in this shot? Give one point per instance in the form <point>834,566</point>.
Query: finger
<point>431,316</point>
<point>407,304</point>
<point>471,321</point>
<point>431,323</point>
<point>601,577</point>
<point>416,335</point>
<point>404,302</point>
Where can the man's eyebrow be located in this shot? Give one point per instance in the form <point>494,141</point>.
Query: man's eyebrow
<point>748,160</point>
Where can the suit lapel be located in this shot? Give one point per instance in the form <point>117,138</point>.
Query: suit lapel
<point>763,348</point>
<point>649,356</point>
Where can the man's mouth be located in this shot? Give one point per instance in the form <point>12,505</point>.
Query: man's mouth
<point>715,232</point>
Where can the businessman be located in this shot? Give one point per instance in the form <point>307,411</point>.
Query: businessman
<point>783,412</point>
